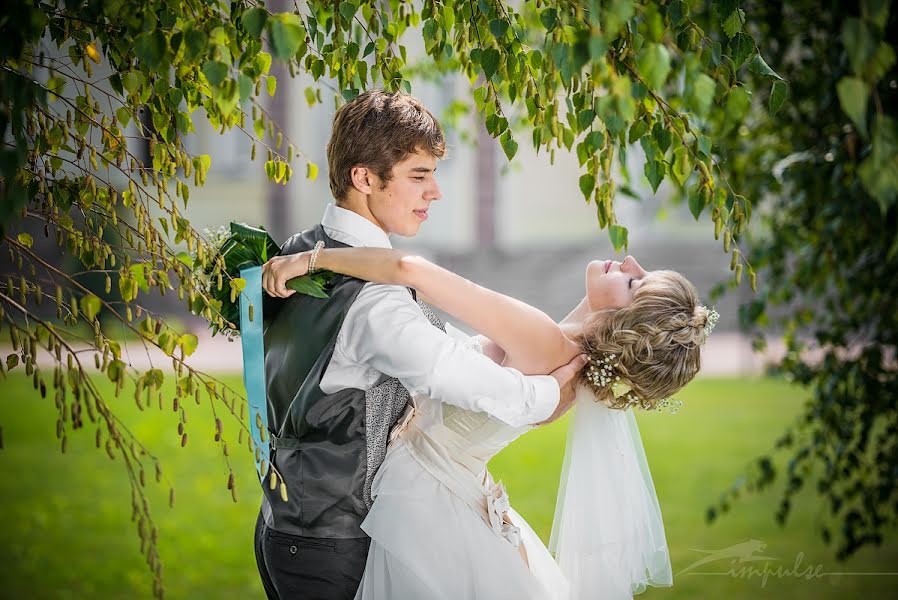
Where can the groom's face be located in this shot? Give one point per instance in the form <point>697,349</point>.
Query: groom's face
<point>402,204</point>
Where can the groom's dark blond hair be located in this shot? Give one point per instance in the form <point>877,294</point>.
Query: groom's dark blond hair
<point>376,130</point>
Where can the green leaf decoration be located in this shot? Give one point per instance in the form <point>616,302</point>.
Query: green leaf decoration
<point>307,285</point>
<point>25,239</point>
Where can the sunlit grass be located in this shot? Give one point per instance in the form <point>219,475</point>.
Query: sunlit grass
<point>65,529</point>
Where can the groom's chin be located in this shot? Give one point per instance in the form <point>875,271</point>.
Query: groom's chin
<point>409,229</point>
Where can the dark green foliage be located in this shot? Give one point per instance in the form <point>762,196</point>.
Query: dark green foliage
<point>825,164</point>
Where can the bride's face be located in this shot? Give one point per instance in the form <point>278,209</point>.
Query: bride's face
<point>612,284</point>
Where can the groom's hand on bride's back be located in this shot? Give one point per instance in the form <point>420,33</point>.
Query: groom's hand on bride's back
<point>566,376</point>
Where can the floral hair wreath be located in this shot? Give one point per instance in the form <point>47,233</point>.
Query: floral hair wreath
<point>601,373</point>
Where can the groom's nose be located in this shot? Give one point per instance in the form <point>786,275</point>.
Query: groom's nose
<point>433,192</point>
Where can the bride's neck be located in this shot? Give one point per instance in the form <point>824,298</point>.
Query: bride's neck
<point>572,325</point>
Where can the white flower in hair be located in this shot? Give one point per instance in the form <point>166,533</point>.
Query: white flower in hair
<point>713,317</point>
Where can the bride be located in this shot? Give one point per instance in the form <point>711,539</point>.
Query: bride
<point>440,526</point>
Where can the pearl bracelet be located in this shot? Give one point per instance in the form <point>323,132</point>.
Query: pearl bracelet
<point>314,255</point>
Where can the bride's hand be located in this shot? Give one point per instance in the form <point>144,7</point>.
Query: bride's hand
<point>281,269</point>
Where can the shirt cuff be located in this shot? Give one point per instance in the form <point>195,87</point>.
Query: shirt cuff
<point>546,397</point>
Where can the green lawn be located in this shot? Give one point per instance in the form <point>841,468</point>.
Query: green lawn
<point>65,530</point>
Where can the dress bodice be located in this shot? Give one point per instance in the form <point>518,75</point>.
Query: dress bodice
<point>481,436</point>
<point>455,444</point>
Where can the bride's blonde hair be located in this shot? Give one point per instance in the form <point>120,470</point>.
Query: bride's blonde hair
<point>652,346</point>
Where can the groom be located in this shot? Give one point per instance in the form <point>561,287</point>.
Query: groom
<point>339,370</point>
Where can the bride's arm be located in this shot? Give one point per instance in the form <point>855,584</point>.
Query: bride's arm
<point>532,341</point>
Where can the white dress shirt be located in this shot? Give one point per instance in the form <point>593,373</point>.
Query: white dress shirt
<point>385,332</point>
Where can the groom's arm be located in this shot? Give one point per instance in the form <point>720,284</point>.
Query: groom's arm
<point>385,330</point>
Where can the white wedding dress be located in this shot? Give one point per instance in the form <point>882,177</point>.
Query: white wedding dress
<point>442,529</point>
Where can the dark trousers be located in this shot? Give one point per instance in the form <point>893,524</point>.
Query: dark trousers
<point>303,568</point>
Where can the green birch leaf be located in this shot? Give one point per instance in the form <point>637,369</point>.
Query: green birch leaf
<point>195,42</point>
<point>741,47</point>
<point>701,95</point>
<point>734,22</point>
<point>188,343</point>
<point>618,235</point>
<point>682,166</point>
<point>90,306</point>
<point>285,32</point>
<point>253,20</point>
<point>499,27</point>
<point>587,184</point>
<point>778,94</point>
<point>167,342</point>
<point>489,60</point>
<point>737,105</point>
<point>549,18</point>
<point>508,145</point>
<point>859,43</point>
<point>654,64</point>
<point>696,202</point>
<point>654,172</point>
<point>348,10</point>
<point>262,62</point>
<point>215,71</point>
<point>759,65</point>
<point>853,96</point>
<point>150,48</point>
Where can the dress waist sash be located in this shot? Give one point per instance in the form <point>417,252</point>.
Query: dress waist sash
<point>466,476</point>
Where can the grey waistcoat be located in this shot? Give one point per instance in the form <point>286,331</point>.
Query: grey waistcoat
<point>327,447</point>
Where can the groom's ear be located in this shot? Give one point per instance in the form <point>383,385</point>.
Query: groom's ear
<point>362,179</point>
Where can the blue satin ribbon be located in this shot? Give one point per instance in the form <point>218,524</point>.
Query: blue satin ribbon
<point>254,364</point>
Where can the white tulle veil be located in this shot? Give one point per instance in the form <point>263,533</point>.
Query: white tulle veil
<point>608,536</point>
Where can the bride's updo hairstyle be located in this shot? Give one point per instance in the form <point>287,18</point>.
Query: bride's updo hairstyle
<point>643,353</point>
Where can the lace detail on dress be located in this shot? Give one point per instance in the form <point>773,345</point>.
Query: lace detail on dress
<point>384,404</point>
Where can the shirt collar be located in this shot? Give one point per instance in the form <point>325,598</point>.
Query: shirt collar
<point>356,229</point>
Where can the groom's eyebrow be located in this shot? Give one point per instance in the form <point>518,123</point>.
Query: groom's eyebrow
<point>424,170</point>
